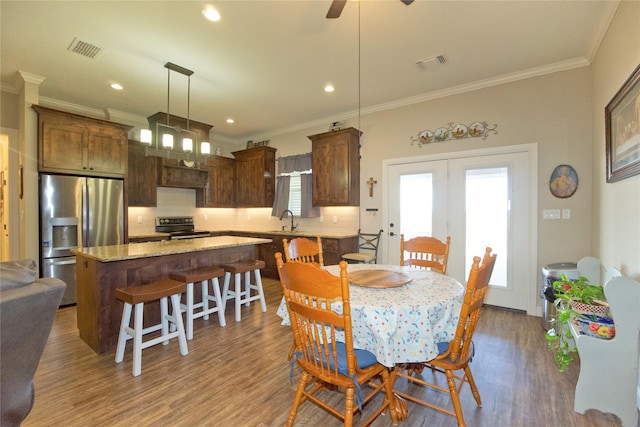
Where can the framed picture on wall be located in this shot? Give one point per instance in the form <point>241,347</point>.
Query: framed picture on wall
<point>622,127</point>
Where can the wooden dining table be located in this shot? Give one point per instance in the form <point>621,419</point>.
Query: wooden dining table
<point>399,314</point>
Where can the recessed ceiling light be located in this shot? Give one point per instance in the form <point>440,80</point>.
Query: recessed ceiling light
<point>230,120</point>
<point>211,14</point>
<point>116,86</point>
<point>329,88</point>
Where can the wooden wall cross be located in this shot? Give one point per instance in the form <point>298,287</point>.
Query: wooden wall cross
<point>370,183</point>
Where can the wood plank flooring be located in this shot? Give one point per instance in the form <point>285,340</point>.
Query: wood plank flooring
<point>238,376</point>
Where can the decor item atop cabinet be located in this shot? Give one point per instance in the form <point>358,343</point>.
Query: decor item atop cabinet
<point>219,191</point>
<point>255,182</point>
<point>336,167</point>
<point>70,143</point>
<point>141,177</point>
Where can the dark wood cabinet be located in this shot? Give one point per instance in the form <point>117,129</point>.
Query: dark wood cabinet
<point>255,182</point>
<point>219,191</point>
<point>172,174</point>
<point>70,143</point>
<point>333,249</point>
<point>141,177</point>
<point>336,167</point>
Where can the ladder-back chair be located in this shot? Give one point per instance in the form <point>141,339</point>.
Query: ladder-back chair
<point>324,342</point>
<point>367,242</point>
<point>425,253</point>
<point>455,355</point>
<point>303,250</point>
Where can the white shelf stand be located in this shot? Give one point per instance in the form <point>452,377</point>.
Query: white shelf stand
<point>608,377</point>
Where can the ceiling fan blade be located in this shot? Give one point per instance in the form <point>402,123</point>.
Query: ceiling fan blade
<point>407,2</point>
<point>336,9</point>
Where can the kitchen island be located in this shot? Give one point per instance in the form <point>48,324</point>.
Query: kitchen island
<point>100,270</point>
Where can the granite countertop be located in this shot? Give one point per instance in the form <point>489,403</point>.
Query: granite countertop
<point>303,233</point>
<point>165,247</point>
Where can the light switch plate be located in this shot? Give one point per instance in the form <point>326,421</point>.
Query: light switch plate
<point>551,214</point>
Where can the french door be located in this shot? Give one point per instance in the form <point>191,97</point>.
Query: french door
<point>479,199</point>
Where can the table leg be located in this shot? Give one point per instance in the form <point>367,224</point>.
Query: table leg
<point>399,405</point>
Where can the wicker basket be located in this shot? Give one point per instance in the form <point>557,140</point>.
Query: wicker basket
<point>588,309</point>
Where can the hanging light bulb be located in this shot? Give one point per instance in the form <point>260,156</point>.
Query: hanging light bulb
<point>167,141</point>
<point>187,145</point>
<point>146,136</point>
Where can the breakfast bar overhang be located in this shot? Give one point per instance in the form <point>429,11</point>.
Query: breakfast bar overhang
<point>100,270</point>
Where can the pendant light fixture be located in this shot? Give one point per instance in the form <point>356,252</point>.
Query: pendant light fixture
<point>164,135</point>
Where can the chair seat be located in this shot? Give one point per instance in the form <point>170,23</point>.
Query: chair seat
<point>197,275</point>
<point>364,358</point>
<point>244,266</point>
<point>359,257</point>
<point>152,292</point>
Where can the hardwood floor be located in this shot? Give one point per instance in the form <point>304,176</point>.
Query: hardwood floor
<point>238,376</point>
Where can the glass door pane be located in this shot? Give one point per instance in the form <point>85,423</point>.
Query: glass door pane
<point>416,205</point>
<point>487,217</point>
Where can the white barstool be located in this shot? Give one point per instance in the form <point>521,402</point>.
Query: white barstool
<point>137,296</point>
<point>206,276</point>
<point>243,296</point>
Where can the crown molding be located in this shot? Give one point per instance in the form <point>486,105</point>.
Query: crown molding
<point>430,96</point>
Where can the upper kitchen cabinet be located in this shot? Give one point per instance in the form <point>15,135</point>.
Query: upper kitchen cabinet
<point>219,191</point>
<point>336,167</point>
<point>255,182</point>
<point>141,179</point>
<point>70,143</point>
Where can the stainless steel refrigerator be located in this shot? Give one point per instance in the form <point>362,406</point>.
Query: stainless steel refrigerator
<point>77,212</point>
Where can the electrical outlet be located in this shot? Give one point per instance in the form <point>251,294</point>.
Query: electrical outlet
<point>206,217</point>
<point>566,213</point>
<point>335,219</point>
<point>139,219</point>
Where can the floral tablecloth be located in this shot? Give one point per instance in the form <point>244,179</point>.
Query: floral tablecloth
<point>403,324</point>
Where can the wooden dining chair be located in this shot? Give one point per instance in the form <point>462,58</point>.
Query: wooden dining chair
<point>324,343</point>
<point>425,253</point>
<point>367,248</point>
<point>456,354</point>
<point>303,250</point>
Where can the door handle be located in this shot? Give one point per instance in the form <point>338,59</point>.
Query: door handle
<point>63,262</point>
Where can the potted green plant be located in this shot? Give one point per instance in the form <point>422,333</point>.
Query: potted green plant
<point>577,300</point>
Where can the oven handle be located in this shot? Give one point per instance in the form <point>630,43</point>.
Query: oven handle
<point>194,236</point>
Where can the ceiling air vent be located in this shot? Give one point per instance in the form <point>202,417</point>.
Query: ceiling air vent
<point>84,48</point>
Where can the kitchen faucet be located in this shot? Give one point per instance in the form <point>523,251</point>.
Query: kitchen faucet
<point>293,227</point>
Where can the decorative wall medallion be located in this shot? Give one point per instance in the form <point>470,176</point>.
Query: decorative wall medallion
<point>453,131</point>
<point>563,182</point>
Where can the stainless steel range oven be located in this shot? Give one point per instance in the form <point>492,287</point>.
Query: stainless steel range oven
<point>179,227</point>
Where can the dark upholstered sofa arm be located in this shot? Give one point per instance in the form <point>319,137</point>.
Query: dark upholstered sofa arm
<point>27,311</point>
